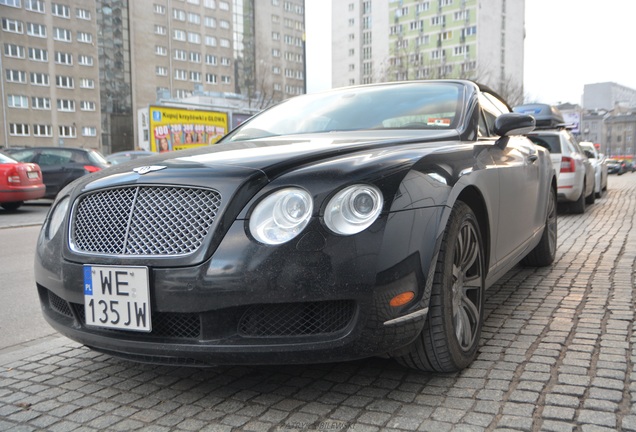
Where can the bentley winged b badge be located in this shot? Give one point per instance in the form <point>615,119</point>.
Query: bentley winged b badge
<point>148,168</point>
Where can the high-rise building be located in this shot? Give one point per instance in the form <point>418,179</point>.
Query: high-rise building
<point>76,73</point>
<point>607,95</point>
<point>380,40</point>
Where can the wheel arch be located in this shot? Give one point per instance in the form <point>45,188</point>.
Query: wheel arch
<point>475,200</point>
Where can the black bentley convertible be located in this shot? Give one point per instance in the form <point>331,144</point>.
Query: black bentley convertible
<point>357,222</point>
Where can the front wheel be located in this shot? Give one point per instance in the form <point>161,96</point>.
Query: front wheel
<point>450,337</point>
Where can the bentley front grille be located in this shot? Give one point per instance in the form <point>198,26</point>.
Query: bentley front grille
<point>143,220</point>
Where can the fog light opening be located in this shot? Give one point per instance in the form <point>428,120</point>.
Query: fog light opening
<point>402,299</point>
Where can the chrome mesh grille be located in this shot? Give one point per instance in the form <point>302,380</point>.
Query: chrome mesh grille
<point>144,220</point>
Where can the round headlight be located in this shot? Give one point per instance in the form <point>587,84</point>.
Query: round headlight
<point>281,216</point>
<point>57,217</point>
<point>353,209</point>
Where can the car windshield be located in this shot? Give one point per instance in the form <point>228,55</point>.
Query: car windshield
<point>404,106</point>
<point>97,158</point>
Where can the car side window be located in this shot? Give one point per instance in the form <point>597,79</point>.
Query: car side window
<point>490,111</point>
<point>23,156</point>
<point>55,157</point>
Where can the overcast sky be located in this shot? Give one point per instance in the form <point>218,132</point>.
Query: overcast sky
<point>569,43</point>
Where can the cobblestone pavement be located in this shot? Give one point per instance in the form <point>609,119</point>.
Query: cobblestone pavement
<point>558,354</point>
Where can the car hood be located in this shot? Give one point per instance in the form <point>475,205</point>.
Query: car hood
<point>267,157</point>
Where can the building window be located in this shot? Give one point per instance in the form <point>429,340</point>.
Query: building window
<point>18,129</point>
<point>87,106</point>
<point>159,9</point>
<point>181,55</point>
<point>42,130</point>
<point>37,30</point>
<point>16,76</point>
<point>84,14</point>
<point>38,78</point>
<point>12,50</point>
<point>225,43</point>
<point>210,4</point>
<point>89,131</point>
<point>160,30</point>
<point>85,60</point>
<point>67,131</point>
<point>225,61</point>
<point>84,37</point>
<point>35,6</point>
<point>63,58</point>
<point>61,34</point>
<point>210,78</point>
<point>161,71</point>
<point>87,83</point>
<point>194,18</point>
<point>42,103</point>
<point>210,41</point>
<point>195,57</point>
<point>195,76</point>
<point>161,50</point>
<point>62,81</point>
<point>194,37</point>
<point>12,3</point>
<point>275,52</point>
<point>224,6</point>
<point>179,15</point>
<point>209,22</point>
<point>60,10</point>
<point>12,26</point>
<point>17,101</point>
<point>224,24</point>
<point>67,105</point>
<point>210,59</point>
<point>179,35</point>
<point>225,79</point>
<point>180,74</point>
<point>182,94</point>
<point>38,54</point>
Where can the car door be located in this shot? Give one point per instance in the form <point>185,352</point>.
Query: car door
<point>520,213</point>
<point>56,168</point>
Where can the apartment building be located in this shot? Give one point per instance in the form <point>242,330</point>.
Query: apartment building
<point>380,40</point>
<point>50,74</point>
<point>97,63</point>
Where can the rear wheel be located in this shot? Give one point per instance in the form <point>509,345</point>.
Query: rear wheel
<point>545,252</point>
<point>450,337</point>
<point>11,206</point>
<point>579,205</point>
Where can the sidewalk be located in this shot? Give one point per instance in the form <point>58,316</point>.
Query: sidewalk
<point>558,354</point>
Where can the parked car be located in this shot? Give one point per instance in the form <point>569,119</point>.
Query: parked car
<point>628,166</point>
<point>599,163</point>
<point>126,156</point>
<point>19,182</point>
<point>576,180</point>
<point>60,165</point>
<point>357,222</point>
<point>615,166</point>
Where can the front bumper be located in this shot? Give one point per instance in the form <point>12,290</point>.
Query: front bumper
<point>318,299</point>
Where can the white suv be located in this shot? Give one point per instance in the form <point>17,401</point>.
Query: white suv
<point>575,174</point>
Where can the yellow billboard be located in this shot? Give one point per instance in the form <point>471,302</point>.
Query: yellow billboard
<point>179,128</point>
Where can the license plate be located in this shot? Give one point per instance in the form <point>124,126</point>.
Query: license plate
<point>32,174</point>
<point>117,297</point>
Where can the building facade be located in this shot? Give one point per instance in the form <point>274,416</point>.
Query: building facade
<point>50,75</point>
<point>76,73</point>
<point>607,95</point>
<point>380,40</point>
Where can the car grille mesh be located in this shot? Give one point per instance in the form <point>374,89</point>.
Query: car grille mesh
<point>296,319</point>
<point>144,220</point>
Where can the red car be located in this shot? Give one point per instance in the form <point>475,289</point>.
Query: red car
<point>19,182</point>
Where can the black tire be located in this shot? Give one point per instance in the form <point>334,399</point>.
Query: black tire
<point>11,206</point>
<point>578,206</point>
<point>450,337</point>
<point>591,197</point>
<point>544,253</point>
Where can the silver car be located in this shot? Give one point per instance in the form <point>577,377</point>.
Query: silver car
<point>599,163</point>
<point>575,174</point>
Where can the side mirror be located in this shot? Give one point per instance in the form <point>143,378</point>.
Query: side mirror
<point>514,124</point>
